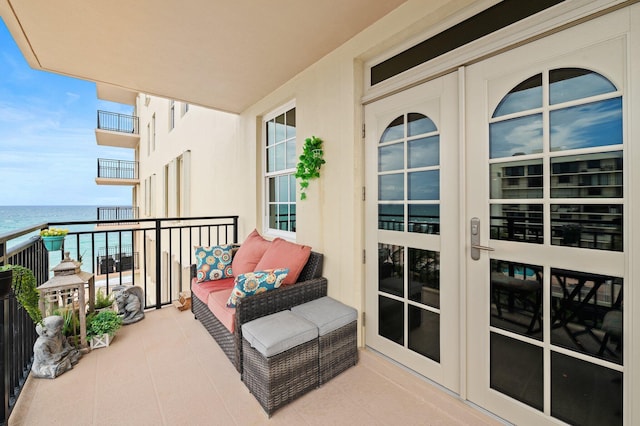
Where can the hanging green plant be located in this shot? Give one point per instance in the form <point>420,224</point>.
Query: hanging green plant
<point>25,289</point>
<point>310,162</point>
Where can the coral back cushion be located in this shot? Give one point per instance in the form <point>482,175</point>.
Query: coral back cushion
<point>249,254</point>
<point>283,254</point>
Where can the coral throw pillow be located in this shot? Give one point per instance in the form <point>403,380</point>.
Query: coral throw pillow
<point>213,263</point>
<point>255,283</point>
<point>284,254</point>
<point>249,253</point>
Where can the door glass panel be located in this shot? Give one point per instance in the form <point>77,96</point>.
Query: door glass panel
<point>517,179</point>
<point>516,297</point>
<point>391,157</point>
<point>424,185</point>
<point>587,176</point>
<point>391,269</point>
<point>391,319</point>
<point>586,312</point>
<point>525,96</point>
<point>418,124</point>
<point>517,222</point>
<point>424,152</point>
<point>518,136</point>
<point>391,187</point>
<point>586,126</point>
<point>394,131</point>
<point>424,332</point>
<point>391,217</point>
<point>594,226</point>
<point>568,84</point>
<point>424,277</point>
<point>424,218</point>
<point>516,370</point>
<point>583,393</point>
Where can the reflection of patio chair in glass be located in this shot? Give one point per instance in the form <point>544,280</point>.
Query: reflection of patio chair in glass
<point>526,292</point>
<point>612,327</point>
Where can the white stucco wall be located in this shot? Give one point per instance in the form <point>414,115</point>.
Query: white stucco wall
<point>328,105</point>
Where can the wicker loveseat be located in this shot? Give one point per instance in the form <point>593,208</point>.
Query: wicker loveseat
<point>309,286</point>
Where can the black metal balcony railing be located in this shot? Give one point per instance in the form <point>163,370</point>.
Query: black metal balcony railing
<point>117,169</point>
<point>148,255</point>
<point>130,214</point>
<point>117,122</point>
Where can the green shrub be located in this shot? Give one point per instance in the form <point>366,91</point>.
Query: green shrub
<point>104,322</point>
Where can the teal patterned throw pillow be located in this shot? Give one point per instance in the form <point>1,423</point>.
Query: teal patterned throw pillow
<point>255,283</point>
<point>213,263</point>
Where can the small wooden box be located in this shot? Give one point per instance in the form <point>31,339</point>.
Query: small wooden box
<point>184,301</point>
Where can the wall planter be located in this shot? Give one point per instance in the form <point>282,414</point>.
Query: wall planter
<point>310,162</point>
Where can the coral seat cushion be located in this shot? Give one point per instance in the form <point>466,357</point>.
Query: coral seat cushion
<point>249,254</point>
<point>202,290</point>
<point>218,306</point>
<point>284,254</point>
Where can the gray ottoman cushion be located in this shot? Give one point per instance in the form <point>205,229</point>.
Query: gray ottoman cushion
<point>326,313</point>
<point>279,332</point>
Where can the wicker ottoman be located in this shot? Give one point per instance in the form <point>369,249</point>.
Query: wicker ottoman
<point>280,358</point>
<point>338,345</point>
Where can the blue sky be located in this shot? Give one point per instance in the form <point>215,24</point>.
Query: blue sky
<point>48,149</point>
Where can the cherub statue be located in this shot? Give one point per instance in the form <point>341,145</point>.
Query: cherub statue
<point>130,302</point>
<point>52,353</point>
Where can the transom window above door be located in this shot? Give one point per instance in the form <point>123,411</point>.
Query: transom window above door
<point>409,175</point>
<point>556,155</point>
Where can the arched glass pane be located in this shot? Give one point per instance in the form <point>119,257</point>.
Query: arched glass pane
<point>424,152</point>
<point>568,84</point>
<point>525,96</point>
<point>419,124</point>
<point>391,157</point>
<point>424,185</point>
<point>518,136</point>
<point>391,187</point>
<point>586,126</point>
<point>394,131</point>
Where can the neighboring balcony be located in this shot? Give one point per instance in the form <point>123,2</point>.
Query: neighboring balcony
<point>117,213</point>
<point>117,172</point>
<point>117,130</point>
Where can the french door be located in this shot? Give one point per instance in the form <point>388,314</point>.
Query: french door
<point>412,229</point>
<point>545,198</point>
<point>509,211</point>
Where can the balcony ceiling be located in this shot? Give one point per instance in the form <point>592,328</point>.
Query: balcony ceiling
<point>216,53</point>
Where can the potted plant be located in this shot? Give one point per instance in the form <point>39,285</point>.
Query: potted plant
<point>52,238</point>
<point>102,327</point>
<point>310,162</point>
<point>25,289</point>
<point>103,301</point>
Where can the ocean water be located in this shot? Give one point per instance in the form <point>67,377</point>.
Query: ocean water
<point>14,218</point>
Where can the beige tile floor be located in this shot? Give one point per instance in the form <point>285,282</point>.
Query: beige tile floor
<point>167,370</point>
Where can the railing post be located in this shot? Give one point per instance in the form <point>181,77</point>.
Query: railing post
<point>6,356</point>
<point>235,230</point>
<point>158,265</point>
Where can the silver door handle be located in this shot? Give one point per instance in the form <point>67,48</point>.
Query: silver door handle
<point>476,246</point>
<point>475,240</point>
